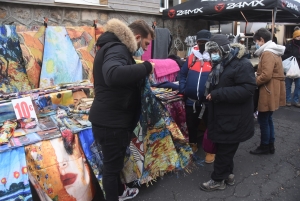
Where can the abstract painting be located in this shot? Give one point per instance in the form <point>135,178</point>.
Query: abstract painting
<point>32,45</point>
<point>61,63</point>
<point>13,77</point>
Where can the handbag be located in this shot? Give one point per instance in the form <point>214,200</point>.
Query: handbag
<point>207,145</point>
<point>294,71</point>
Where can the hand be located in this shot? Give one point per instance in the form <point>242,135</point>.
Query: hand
<point>208,97</point>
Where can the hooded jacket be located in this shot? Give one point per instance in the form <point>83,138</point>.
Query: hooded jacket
<point>193,76</point>
<point>117,78</point>
<point>270,77</point>
<point>230,112</point>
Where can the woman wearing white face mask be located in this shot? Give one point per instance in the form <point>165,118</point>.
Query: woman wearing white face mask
<point>229,90</point>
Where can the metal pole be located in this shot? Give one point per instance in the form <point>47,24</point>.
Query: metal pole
<point>219,27</point>
<point>274,12</point>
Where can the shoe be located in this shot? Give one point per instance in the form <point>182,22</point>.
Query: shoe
<point>212,185</point>
<point>129,193</point>
<point>271,148</point>
<point>209,158</point>
<point>288,104</point>
<point>194,147</point>
<point>230,180</point>
<point>296,104</point>
<point>260,150</point>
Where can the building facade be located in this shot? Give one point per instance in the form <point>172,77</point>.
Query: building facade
<point>84,12</point>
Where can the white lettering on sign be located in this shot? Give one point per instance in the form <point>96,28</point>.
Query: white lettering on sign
<point>292,6</point>
<point>245,4</point>
<point>188,12</point>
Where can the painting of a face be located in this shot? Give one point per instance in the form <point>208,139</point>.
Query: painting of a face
<point>73,170</point>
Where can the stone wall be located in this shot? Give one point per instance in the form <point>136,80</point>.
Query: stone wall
<point>11,13</point>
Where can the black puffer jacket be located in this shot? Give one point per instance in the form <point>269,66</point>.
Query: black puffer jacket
<point>292,49</point>
<point>117,79</point>
<point>230,113</point>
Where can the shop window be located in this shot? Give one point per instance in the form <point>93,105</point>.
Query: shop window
<point>82,2</point>
<point>165,4</point>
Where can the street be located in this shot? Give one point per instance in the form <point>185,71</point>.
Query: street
<point>264,178</point>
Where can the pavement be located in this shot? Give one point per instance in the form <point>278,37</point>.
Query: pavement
<point>258,178</point>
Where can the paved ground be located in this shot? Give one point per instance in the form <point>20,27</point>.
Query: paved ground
<point>262,178</point>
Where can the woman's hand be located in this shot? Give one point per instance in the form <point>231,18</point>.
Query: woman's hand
<point>208,97</point>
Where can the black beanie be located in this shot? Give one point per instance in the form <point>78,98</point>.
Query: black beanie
<point>222,42</point>
<point>203,35</point>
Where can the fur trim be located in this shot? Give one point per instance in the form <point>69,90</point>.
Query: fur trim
<point>241,47</point>
<point>123,32</point>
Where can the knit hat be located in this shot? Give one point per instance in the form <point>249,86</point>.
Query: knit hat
<point>218,42</point>
<point>296,34</point>
<point>203,35</point>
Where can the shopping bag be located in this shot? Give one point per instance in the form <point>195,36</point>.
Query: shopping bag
<point>294,71</point>
<point>207,145</point>
<point>287,64</point>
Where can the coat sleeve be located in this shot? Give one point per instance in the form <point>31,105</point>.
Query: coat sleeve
<point>267,64</point>
<point>243,89</point>
<point>115,70</point>
<point>183,76</point>
<point>287,52</point>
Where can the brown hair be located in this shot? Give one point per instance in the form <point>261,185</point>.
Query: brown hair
<point>142,28</point>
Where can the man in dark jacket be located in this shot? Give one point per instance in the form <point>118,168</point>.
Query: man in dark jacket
<point>193,76</point>
<point>229,89</point>
<point>115,109</point>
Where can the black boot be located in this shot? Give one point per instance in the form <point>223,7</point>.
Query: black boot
<point>271,148</point>
<point>262,149</point>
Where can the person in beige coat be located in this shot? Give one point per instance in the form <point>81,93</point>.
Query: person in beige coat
<point>270,80</point>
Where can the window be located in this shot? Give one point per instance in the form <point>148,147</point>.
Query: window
<point>83,2</point>
<point>165,4</point>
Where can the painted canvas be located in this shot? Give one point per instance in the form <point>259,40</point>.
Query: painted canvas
<point>61,63</point>
<point>58,175</point>
<point>13,77</point>
<point>32,46</point>
<point>83,39</point>
<point>13,176</point>
<point>7,112</point>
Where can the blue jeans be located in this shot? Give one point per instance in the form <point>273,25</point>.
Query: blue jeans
<point>266,127</point>
<point>288,86</point>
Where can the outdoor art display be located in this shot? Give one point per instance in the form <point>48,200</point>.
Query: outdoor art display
<point>13,77</point>
<point>61,63</point>
<point>14,178</point>
<point>32,45</point>
<point>83,39</point>
<point>57,174</point>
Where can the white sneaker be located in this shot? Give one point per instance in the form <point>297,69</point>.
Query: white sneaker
<point>129,193</point>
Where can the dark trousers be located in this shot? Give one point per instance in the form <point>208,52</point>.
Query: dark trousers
<point>114,143</point>
<point>265,121</point>
<point>193,121</point>
<point>223,165</point>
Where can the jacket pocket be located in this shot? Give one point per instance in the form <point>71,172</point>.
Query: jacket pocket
<point>228,123</point>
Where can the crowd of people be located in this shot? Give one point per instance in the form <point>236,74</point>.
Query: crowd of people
<point>218,83</point>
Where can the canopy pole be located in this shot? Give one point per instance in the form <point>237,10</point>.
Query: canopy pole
<point>219,27</point>
<point>274,12</point>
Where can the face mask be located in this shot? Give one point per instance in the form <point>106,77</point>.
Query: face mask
<point>139,52</point>
<point>257,46</point>
<point>215,57</point>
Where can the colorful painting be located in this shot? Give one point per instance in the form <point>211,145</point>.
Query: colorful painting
<point>61,63</point>
<point>93,153</point>
<point>25,140</point>
<point>64,98</point>
<point>165,148</point>
<point>7,112</point>
<point>83,39</point>
<point>13,77</point>
<point>13,175</point>
<point>58,175</point>
<point>32,45</point>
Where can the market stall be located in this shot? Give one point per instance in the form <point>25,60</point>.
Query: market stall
<point>46,140</point>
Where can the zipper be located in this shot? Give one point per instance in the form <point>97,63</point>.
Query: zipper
<point>199,82</point>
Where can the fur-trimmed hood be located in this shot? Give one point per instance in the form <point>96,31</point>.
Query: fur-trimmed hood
<point>121,32</point>
<point>242,49</point>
